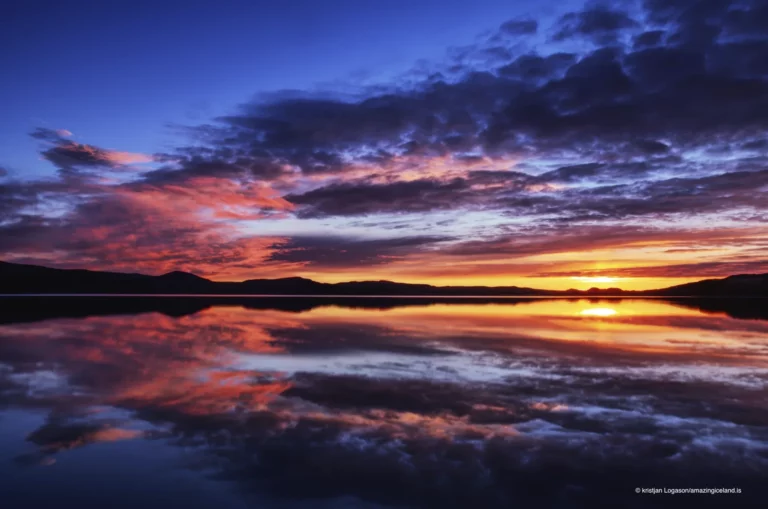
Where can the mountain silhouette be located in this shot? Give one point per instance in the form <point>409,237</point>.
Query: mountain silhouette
<point>18,278</point>
<point>738,285</point>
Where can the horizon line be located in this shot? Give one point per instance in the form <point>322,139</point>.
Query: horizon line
<point>534,292</point>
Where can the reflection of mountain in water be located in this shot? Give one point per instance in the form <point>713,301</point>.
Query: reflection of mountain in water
<point>745,307</point>
<point>34,308</point>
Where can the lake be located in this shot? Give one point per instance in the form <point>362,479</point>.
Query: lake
<point>126,402</point>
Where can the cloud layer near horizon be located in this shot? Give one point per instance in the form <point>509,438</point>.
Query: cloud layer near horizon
<point>637,136</point>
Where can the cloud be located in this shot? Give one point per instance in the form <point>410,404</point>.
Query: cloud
<point>573,173</point>
<point>332,338</point>
<point>49,135</point>
<point>147,224</point>
<point>569,238</point>
<point>328,252</point>
<point>602,24</point>
<point>475,188</point>
<point>652,146</point>
<point>134,231</point>
<point>648,39</point>
<point>533,67</point>
<point>688,270</point>
<point>364,198</point>
<point>536,102</point>
<point>196,162</point>
<point>67,154</point>
<point>56,436</point>
<point>519,27</point>
<point>686,196</point>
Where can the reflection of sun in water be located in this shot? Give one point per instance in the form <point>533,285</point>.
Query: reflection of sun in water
<point>599,312</point>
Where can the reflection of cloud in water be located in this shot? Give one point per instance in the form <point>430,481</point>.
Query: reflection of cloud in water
<point>61,434</point>
<point>440,406</point>
<point>453,366</point>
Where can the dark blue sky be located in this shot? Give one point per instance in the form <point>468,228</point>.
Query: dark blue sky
<point>117,73</point>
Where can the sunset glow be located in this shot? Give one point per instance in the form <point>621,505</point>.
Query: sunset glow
<point>502,164</point>
<point>597,279</point>
<point>603,312</point>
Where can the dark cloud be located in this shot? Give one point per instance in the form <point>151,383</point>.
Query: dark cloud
<point>648,39</point>
<point>364,198</point>
<point>519,27</point>
<point>683,13</point>
<point>74,154</point>
<point>68,155</point>
<point>652,146</point>
<point>572,173</point>
<point>13,198</point>
<point>748,19</point>
<point>23,199</point>
<point>677,86</point>
<point>755,145</point>
<point>340,252</point>
<point>662,66</point>
<point>49,135</point>
<point>601,24</point>
<point>535,67</point>
<point>571,236</point>
<point>58,434</point>
<point>217,164</point>
<point>639,198</point>
<point>688,270</point>
<point>349,338</point>
<point>675,196</point>
<point>477,188</point>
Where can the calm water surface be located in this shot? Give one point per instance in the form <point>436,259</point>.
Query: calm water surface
<point>290,403</point>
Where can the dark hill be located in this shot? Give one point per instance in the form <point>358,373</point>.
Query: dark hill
<point>32,279</point>
<point>742,285</point>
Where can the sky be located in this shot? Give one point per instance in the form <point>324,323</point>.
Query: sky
<point>533,143</point>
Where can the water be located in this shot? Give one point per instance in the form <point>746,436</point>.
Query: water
<point>383,402</point>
